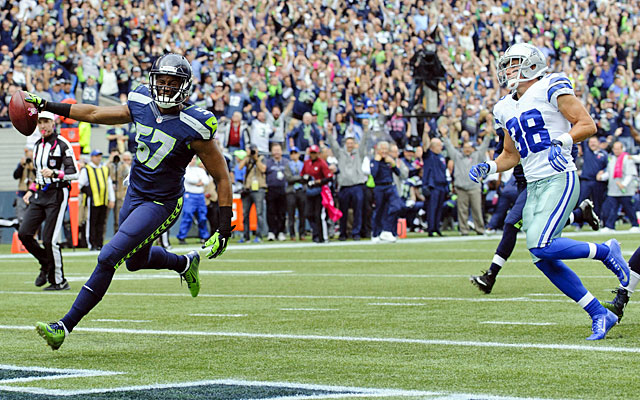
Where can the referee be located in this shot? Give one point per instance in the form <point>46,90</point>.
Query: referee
<point>47,200</point>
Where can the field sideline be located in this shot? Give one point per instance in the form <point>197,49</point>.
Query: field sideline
<point>304,321</point>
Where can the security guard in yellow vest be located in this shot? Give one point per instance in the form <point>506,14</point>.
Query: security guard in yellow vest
<point>96,183</point>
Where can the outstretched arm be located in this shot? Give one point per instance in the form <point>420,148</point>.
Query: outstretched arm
<point>83,112</point>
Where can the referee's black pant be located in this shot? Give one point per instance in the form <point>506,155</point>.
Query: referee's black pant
<point>49,207</point>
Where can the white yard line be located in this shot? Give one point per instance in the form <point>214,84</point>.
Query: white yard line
<point>277,246</point>
<point>479,299</point>
<point>308,309</point>
<point>517,323</point>
<point>219,315</point>
<point>135,321</point>
<point>596,347</point>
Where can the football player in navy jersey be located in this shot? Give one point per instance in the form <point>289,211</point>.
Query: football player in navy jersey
<point>169,133</point>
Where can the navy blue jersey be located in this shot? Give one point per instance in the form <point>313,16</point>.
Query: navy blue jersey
<point>163,141</point>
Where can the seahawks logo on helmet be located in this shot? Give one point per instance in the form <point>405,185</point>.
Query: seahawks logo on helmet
<point>167,96</point>
<point>520,63</point>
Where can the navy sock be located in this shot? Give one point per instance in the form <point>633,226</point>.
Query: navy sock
<point>494,269</point>
<point>634,261</point>
<point>89,296</point>
<point>577,217</point>
<point>569,249</point>
<point>159,258</point>
<point>508,241</point>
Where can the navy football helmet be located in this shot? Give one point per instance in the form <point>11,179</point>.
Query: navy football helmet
<point>173,65</point>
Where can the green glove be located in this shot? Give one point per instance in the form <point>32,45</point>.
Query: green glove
<point>36,100</point>
<point>218,243</point>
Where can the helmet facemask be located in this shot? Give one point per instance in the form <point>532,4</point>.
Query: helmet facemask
<point>527,67</point>
<point>167,96</point>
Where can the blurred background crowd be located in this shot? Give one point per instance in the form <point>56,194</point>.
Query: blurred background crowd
<point>419,76</point>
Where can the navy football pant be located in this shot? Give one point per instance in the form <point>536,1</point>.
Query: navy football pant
<point>141,222</point>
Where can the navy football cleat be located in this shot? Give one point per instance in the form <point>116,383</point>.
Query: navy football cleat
<point>619,302</point>
<point>601,325</point>
<point>589,215</point>
<point>616,263</point>
<point>484,282</point>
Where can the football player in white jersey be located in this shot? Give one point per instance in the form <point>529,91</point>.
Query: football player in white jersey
<point>543,118</point>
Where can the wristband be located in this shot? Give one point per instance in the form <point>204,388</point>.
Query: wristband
<point>565,139</point>
<point>33,187</point>
<point>60,174</point>
<point>226,213</point>
<point>493,167</point>
<point>62,109</point>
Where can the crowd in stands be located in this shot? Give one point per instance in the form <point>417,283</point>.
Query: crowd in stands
<point>337,79</point>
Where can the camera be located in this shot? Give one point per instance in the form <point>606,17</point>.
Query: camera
<point>28,160</point>
<point>116,159</point>
<point>253,150</point>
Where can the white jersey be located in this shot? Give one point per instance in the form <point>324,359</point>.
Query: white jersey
<point>533,121</point>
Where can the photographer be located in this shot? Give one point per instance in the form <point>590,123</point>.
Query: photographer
<point>316,173</point>
<point>26,174</point>
<point>119,167</point>
<point>253,192</point>
<point>47,200</point>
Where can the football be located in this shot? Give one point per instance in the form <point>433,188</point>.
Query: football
<point>23,115</point>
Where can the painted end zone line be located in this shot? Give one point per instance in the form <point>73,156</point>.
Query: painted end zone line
<point>339,391</point>
<point>544,346</point>
<point>62,373</point>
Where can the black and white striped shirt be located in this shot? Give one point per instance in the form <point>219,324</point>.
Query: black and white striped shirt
<point>55,153</point>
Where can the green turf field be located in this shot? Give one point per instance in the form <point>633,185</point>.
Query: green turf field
<point>347,321</point>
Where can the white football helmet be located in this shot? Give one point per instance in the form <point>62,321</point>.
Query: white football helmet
<point>529,61</point>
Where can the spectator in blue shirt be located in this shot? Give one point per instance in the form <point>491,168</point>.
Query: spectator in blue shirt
<point>387,201</point>
<point>434,181</point>
<point>305,134</point>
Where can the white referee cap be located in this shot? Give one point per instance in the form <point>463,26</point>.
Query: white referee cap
<point>47,115</point>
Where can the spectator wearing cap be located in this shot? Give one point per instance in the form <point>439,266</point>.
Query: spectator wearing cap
<point>387,201</point>
<point>398,128</point>
<point>67,89</point>
<point>276,193</point>
<point>305,134</point>
<point>56,92</point>
<point>90,91</point>
<point>316,173</point>
<point>296,196</point>
<point>595,162</point>
<point>254,188</point>
<point>622,183</point>
<point>95,182</point>
<point>469,193</point>
<point>434,181</point>
<point>351,180</point>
